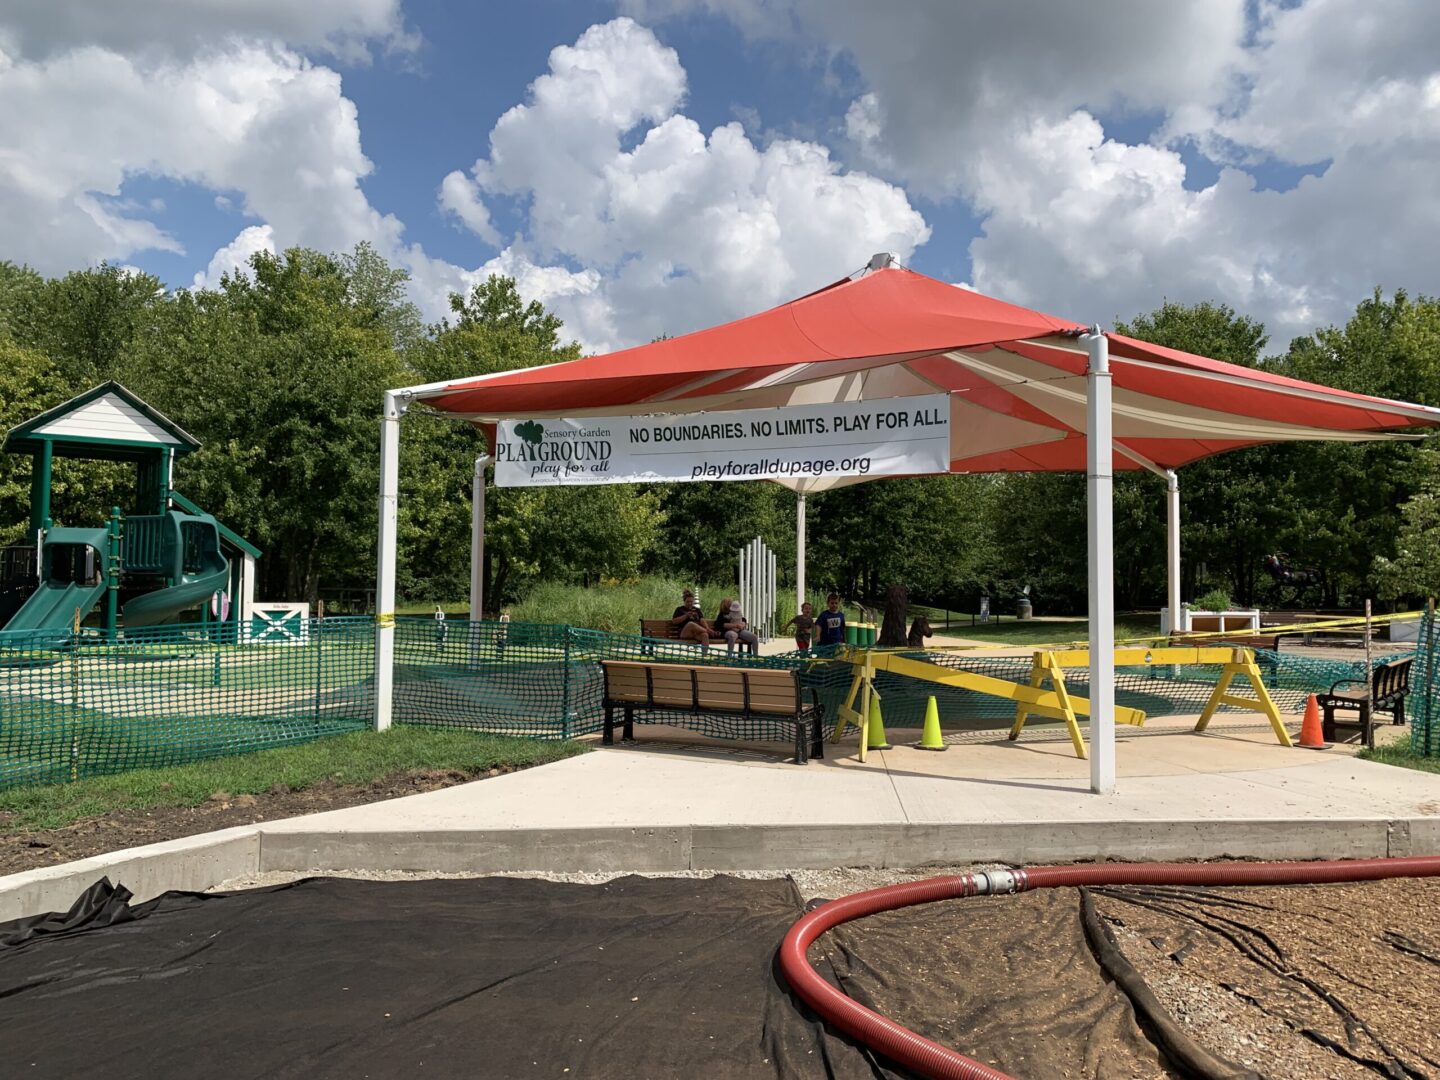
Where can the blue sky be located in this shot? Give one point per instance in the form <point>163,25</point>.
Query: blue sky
<point>1274,156</point>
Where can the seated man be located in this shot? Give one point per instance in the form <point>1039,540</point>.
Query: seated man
<point>693,627</point>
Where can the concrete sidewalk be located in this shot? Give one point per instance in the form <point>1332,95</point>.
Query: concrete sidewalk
<point>664,805</point>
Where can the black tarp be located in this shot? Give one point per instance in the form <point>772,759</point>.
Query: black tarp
<point>504,977</point>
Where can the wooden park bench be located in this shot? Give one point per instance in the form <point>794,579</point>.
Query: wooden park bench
<point>659,629</point>
<point>641,686</point>
<point>1389,684</point>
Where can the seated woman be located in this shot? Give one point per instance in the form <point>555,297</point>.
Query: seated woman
<point>693,627</point>
<point>731,624</point>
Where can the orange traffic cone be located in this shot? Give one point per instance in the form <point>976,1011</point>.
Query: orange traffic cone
<point>1312,736</point>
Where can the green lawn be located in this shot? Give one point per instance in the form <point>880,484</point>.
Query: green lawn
<point>1042,631</point>
<point>356,758</point>
<point>1400,753</point>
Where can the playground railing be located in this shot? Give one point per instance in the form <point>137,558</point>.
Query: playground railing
<point>78,705</point>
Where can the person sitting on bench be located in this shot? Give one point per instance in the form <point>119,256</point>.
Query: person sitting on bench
<point>731,624</point>
<point>693,627</point>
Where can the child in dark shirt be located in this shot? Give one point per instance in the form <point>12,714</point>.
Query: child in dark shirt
<point>804,624</point>
<point>832,622</point>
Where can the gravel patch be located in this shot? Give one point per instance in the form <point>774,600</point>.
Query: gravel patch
<point>810,883</point>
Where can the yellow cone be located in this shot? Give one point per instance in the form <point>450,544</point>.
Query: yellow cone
<point>930,738</point>
<point>875,735</point>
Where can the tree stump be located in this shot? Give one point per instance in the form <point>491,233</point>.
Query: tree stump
<point>892,629</point>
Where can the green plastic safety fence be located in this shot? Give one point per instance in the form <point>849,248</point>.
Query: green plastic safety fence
<point>82,705</point>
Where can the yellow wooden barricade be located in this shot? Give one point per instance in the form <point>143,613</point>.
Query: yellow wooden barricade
<point>1048,665</point>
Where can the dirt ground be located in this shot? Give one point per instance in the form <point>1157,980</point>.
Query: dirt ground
<point>29,849</point>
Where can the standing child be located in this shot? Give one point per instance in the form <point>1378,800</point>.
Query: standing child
<point>832,622</point>
<point>804,624</point>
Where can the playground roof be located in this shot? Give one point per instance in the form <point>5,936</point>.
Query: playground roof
<point>106,422</point>
<point>1016,380</point>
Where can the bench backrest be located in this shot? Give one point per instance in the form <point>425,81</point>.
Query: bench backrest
<point>660,629</point>
<point>702,687</point>
<point>1392,678</point>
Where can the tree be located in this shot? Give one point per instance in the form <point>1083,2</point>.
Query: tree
<point>571,534</point>
<point>1414,571</point>
<point>29,384</point>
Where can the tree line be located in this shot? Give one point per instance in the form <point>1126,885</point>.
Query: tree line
<point>279,372</point>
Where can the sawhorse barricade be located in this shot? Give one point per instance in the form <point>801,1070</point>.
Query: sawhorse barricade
<point>1056,702</point>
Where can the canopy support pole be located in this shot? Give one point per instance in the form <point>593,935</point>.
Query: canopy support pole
<point>799,551</point>
<point>385,562</point>
<point>1100,530</point>
<point>1172,548</point>
<point>477,540</point>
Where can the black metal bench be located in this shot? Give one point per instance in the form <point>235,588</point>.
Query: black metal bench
<point>1389,685</point>
<point>639,686</point>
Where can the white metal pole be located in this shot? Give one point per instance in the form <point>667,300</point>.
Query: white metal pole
<point>477,540</point>
<point>385,563</point>
<point>799,550</point>
<point>1172,547</point>
<point>1100,521</point>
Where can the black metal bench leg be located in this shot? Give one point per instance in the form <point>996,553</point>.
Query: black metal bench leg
<point>1367,725</point>
<point>817,735</point>
<point>608,737</point>
<point>1327,723</point>
<point>629,733</point>
<point>799,741</point>
<point>1398,717</point>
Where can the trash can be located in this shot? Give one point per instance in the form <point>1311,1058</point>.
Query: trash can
<point>1023,610</point>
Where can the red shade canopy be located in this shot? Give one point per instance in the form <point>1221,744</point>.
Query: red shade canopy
<point>1016,380</point>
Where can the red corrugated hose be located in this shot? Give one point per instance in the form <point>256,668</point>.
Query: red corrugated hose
<point>929,1058</point>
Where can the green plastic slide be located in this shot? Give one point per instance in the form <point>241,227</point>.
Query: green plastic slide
<point>162,605</point>
<point>53,605</point>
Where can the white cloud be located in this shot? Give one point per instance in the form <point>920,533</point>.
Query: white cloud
<point>235,256</point>
<point>260,123</point>
<point>995,103</point>
<point>683,229</point>
<point>344,28</point>
<point>459,196</point>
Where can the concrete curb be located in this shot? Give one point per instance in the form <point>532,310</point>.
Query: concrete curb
<point>192,863</point>
<point>204,861</point>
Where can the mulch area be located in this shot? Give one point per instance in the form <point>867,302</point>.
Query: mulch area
<point>119,829</point>
<point>1296,982</point>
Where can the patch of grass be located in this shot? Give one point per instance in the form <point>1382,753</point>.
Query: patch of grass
<point>1046,631</point>
<point>617,609</point>
<point>1401,754</point>
<point>360,757</point>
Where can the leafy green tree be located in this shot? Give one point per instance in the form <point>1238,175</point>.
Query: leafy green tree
<point>89,321</point>
<point>1413,573</point>
<point>20,291</point>
<point>575,534</point>
<point>29,384</point>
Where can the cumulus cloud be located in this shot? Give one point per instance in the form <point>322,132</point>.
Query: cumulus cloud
<point>235,256</point>
<point>262,123</point>
<point>344,28</point>
<point>996,104</point>
<point>682,229</point>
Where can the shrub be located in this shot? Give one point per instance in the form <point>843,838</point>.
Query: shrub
<point>1214,600</point>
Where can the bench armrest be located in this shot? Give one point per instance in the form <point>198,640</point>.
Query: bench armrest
<point>1345,682</point>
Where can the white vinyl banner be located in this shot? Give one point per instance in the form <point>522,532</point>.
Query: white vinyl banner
<point>895,437</point>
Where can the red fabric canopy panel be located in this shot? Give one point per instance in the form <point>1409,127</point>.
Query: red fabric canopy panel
<point>1015,377</point>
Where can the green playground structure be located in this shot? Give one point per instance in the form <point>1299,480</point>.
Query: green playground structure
<point>151,566</point>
